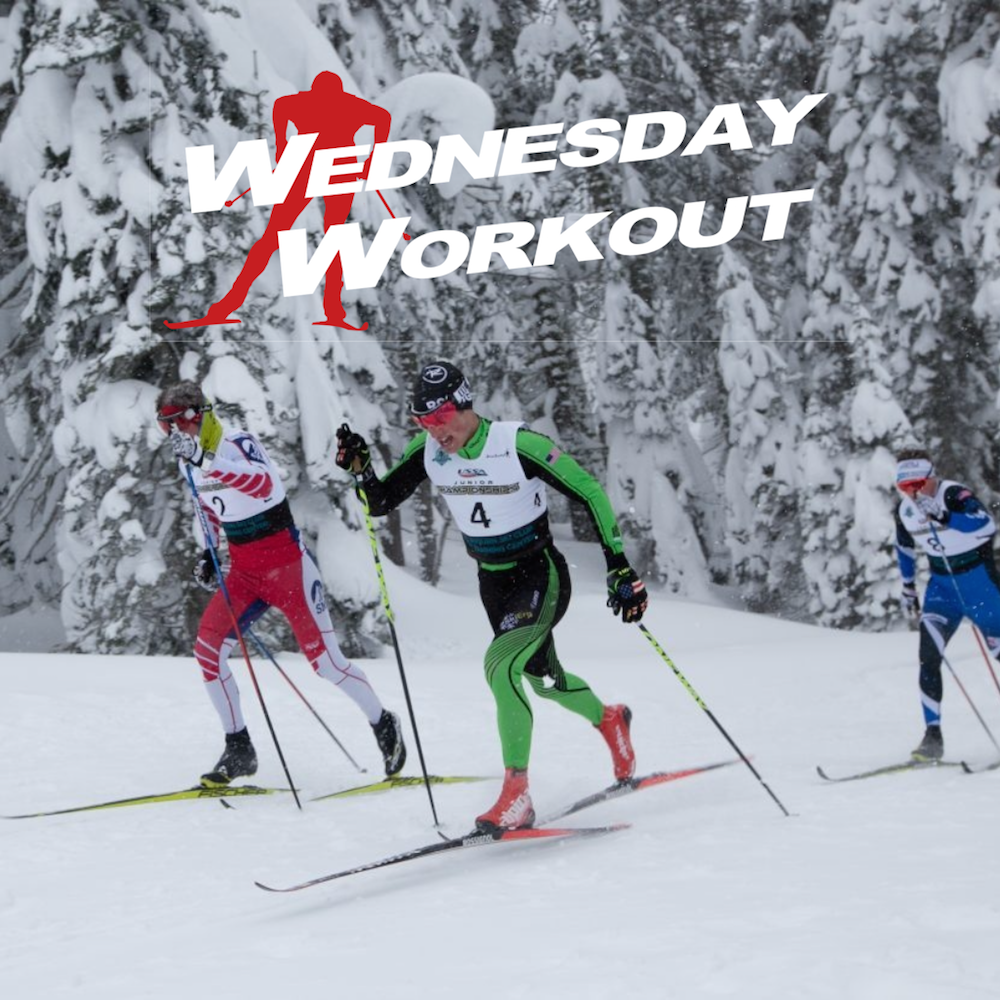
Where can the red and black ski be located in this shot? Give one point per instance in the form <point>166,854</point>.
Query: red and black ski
<point>475,839</point>
<point>634,785</point>
<point>542,832</point>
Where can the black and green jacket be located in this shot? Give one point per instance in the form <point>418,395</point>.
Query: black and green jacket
<point>540,458</point>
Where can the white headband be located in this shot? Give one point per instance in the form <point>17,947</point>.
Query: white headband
<point>914,468</point>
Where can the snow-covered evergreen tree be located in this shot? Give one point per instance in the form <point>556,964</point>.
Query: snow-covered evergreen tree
<point>885,239</point>
<point>969,86</point>
<point>115,95</point>
<point>897,223</point>
<point>824,444</point>
<point>742,402</point>
<point>879,430</point>
<point>761,487</point>
<point>78,134</point>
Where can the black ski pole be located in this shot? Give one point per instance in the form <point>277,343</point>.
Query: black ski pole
<point>236,625</point>
<point>373,541</point>
<point>694,694</point>
<point>968,697</point>
<point>305,701</point>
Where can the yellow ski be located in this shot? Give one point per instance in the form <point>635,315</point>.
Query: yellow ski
<point>399,782</point>
<point>198,792</point>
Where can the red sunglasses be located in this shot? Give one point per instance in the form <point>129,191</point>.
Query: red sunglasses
<point>166,419</point>
<point>438,417</point>
<point>912,486</point>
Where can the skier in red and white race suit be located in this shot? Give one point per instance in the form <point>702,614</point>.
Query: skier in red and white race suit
<point>242,495</point>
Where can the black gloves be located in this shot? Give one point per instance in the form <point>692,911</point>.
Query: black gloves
<point>627,594</point>
<point>352,451</point>
<point>204,572</point>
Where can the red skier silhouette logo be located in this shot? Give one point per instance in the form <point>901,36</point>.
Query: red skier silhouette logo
<point>336,116</point>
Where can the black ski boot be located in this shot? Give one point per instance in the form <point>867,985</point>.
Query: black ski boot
<point>389,735</point>
<point>931,746</point>
<point>238,760</point>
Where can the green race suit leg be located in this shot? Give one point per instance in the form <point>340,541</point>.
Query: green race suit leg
<point>524,602</point>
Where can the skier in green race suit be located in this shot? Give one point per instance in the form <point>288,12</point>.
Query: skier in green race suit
<point>493,476</point>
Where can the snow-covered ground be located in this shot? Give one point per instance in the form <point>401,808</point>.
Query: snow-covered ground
<point>33,630</point>
<point>880,889</point>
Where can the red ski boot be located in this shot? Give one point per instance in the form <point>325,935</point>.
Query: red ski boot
<point>614,727</point>
<point>513,809</point>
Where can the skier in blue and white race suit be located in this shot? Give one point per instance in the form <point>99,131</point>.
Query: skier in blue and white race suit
<point>947,521</point>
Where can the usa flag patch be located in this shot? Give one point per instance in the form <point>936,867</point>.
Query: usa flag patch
<point>552,456</point>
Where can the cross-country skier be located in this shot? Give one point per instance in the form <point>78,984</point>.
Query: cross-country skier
<point>240,492</point>
<point>493,476</point>
<point>951,525</point>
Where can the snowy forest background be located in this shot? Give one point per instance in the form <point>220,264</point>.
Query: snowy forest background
<point>742,403</point>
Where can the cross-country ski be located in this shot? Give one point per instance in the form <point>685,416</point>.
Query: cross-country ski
<point>399,781</point>
<point>875,772</point>
<point>535,835</point>
<point>198,792</point>
<point>630,785</point>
